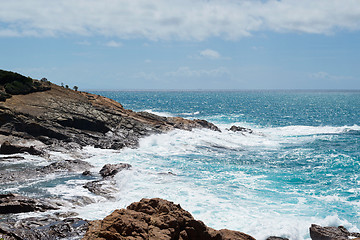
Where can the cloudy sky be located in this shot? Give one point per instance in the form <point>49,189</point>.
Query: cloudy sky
<point>183,44</point>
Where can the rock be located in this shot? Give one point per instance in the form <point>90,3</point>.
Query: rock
<point>66,165</point>
<point>46,228</point>
<point>106,186</point>
<point>8,148</point>
<point>156,219</point>
<point>240,129</point>
<point>330,233</point>
<point>62,117</point>
<point>14,203</point>
<point>110,170</point>
<point>86,173</point>
<point>102,187</point>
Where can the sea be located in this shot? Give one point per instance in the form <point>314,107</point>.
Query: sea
<point>299,166</point>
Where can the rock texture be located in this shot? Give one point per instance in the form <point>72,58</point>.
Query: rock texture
<point>46,228</point>
<point>58,116</point>
<point>240,129</point>
<point>14,203</point>
<point>156,219</point>
<point>106,186</point>
<point>331,233</point>
<point>8,148</point>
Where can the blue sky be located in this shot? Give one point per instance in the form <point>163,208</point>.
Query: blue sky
<point>183,44</point>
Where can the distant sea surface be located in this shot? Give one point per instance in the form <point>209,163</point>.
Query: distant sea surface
<point>301,164</point>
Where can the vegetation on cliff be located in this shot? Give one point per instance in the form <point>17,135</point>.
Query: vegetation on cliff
<point>13,84</point>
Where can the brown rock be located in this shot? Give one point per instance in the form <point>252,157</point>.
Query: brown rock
<point>156,219</point>
<point>330,233</point>
<point>60,116</point>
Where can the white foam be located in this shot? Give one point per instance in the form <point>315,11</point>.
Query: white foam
<point>163,114</point>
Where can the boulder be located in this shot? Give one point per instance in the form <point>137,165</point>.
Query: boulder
<point>156,219</point>
<point>240,129</point>
<point>14,203</point>
<point>110,170</point>
<point>331,233</point>
<point>8,148</point>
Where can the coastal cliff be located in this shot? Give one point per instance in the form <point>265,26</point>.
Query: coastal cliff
<point>59,116</point>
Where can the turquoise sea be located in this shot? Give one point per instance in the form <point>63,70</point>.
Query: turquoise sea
<point>301,164</point>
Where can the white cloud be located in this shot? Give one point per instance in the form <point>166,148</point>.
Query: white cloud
<point>177,19</point>
<point>327,76</point>
<point>113,44</point>
<point>208,53</point>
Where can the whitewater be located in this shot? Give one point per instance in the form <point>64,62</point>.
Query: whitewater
<point>301,164</point>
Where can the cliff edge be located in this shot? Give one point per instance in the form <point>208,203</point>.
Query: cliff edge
<point>58,115</point>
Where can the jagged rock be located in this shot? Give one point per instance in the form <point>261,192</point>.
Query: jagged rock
<point>105,186</point>
<point>8,148</point>
<point>156,219</point>
<point>331,233</point>
<point>102,187</point>
<point>110,170</point>
<point>60,116</point>
<point>240,129</point>
<point>14,203</point>
<point>46,228</point>
<point>67,165</point>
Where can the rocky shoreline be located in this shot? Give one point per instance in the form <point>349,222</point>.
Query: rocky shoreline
<point>46,118</point>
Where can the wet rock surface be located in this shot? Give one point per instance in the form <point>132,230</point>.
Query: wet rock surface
<point>240,129</point>
<point>8,148</point>
<point>27,174</point>
<point>106,186</point>
<point>45,228</point>
<point>110,170</point>
<point>156,219</point>
<point>331,233</point>
<point>14,203</point>
<point>66,165</point>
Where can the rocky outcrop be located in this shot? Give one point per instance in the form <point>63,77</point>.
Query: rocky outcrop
<point>14,203</point>
<point>45,228</point>
<point>156,219</point>
<point>331,233</point>
<point>60,116</point>
<point>240,129</point>
<point>66,165</point>
<point>8,148</point>
<point>106,186</point>
<point>109,170</point>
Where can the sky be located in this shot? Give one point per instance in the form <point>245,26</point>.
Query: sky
<point>184,44</point>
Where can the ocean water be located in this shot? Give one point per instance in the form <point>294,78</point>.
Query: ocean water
<point>300,166</point>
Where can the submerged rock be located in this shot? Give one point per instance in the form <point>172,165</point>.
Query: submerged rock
<point>106,186</point>
<point>14,203</point>
<point>331,233</point>
<point>156,219</point>
<point>240,129</point>
<point>110,170</point>
<point>45,228</point>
